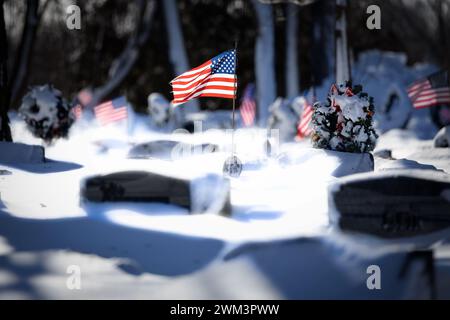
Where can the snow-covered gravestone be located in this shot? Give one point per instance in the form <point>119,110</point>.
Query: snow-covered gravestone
<point>284,117</point>
<point>204,193</point>
<point>386,76</point>
<point>158,109</point>
<point>46,113</point>
<point>19,153</point>
<point>442,138</point>
<point>344,122</point>
<point>393,203</point>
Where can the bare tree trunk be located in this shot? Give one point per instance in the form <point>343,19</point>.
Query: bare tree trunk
<point>122,66</point>
<point>22,60</point>
<point>5,131</point>
<point>322,50</point>
<point>177,50</point>
<point>291,64</point>
<point>264,60</point>
<point>329,22</point>
<point>343,73</point>
<point>443,38</point>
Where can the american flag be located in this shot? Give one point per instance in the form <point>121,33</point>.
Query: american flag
<point>214,78</point>
<point>111,111</point>
<point>248,106</point>
<point>304,128</point>
<point>434,90</point>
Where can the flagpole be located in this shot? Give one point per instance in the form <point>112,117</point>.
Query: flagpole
<point>233,166</point>
<point>233,122</point>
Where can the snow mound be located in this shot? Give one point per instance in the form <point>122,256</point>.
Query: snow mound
<point>393,164</point>
<point>345,268</point>
<point>344,163</point>
<point>386,77</point>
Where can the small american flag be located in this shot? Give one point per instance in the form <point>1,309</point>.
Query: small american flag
<point>434,90</point>
<point>304,128</point>
<point>111,111</point>
<point>248,106</point>
<point>214,78</point>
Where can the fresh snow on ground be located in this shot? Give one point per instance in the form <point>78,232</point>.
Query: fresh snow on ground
<point>128,250</point>
<point>277,244</point>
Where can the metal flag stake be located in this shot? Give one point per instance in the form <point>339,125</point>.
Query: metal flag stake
<point>233,166</point>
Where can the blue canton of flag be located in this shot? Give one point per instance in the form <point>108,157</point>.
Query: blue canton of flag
<point>224,63</point>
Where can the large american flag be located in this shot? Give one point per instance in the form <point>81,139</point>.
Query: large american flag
<point>248,106</point>
<point>433,90</point>
<point>304,127</point>
<point>214,78</point>
<point>111,111</point>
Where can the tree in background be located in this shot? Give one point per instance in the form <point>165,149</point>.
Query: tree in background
<point>121,66</point>
<point>85,58</point>
<point>5,131</point>
<point>177,48</point>
<point>25,50</point>
<point>291,63</point>
<point>264,60</point>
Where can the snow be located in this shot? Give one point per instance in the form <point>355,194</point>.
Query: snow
<point>408,144</point>
<point>387,164</point>
<point>139,250</point>
<point>91,151</point>
<point>352,107</point>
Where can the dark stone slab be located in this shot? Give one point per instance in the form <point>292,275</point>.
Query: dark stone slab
<point>395,203</point>
<point>144,186</point>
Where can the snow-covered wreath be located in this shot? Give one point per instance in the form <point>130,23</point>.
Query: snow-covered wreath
<point>345,121</point>
<point>46,113</point>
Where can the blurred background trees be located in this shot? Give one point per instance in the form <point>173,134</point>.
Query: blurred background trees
<point>43,50</point>
<point>5,132</point>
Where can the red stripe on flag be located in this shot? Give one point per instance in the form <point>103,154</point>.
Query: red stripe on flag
<point>106,113</point>
<point>304,127</point>
<point>248,112</point>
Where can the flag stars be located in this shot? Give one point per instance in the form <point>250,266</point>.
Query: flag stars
<point>224,64</point>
